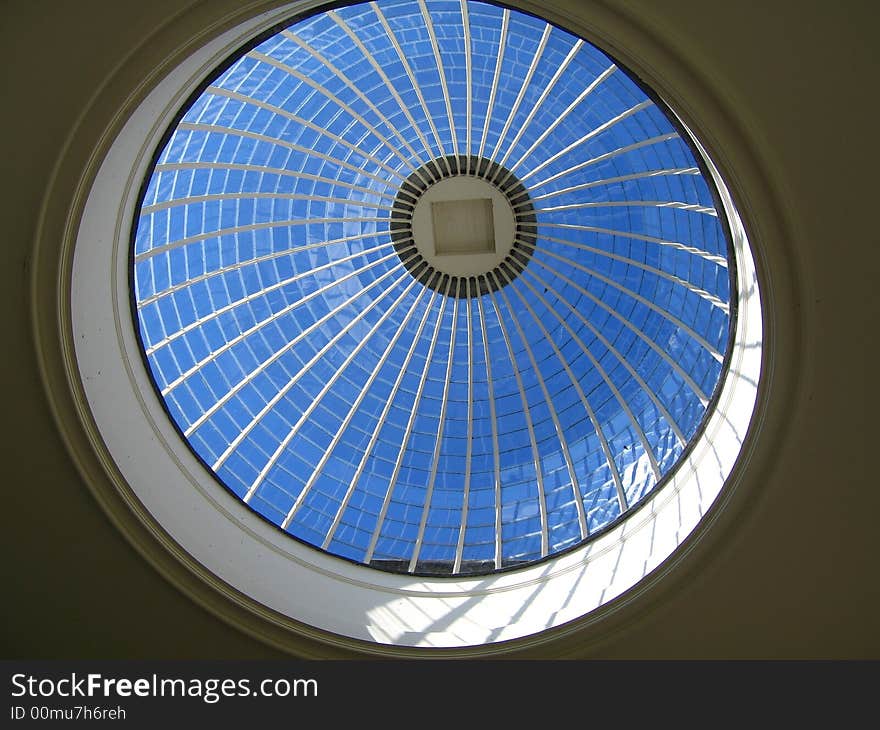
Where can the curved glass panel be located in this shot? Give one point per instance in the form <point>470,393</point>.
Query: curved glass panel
<point>459,417</point>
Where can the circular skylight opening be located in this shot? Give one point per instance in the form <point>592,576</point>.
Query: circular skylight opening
<point>435,287</point>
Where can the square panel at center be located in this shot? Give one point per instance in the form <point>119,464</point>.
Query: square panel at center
<point>463,227</point>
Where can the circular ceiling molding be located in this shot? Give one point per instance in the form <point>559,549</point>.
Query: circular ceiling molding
<point>436,288</point>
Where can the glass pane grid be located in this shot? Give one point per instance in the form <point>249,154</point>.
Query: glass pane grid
<point>367,413</point>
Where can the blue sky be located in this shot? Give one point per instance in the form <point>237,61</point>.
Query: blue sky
<point>375,418</point>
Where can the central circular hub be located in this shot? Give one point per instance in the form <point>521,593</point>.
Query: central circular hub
<point>463,225</point>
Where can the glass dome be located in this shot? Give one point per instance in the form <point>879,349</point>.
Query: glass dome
<point>435,287</point>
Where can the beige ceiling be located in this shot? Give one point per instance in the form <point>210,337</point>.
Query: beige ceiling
<point>789,567</point>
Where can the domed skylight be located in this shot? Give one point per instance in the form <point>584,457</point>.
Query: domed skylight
<point>432,286</point>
